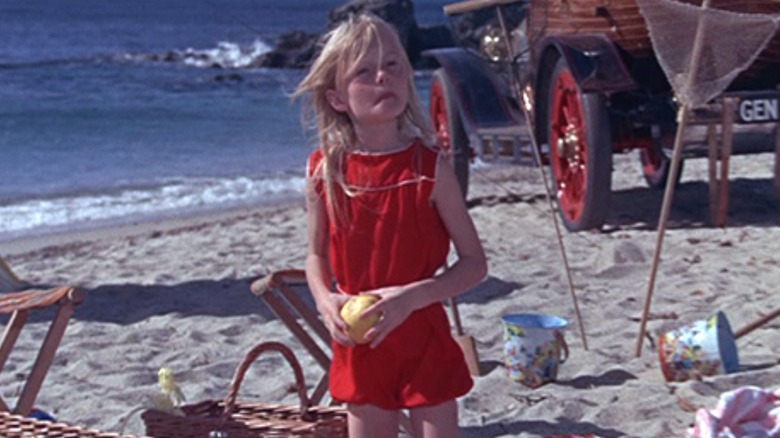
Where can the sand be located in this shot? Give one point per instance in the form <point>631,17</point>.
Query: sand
<point>175,293</point>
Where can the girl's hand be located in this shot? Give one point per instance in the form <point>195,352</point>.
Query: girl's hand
<point>393,308</point>
<point>329,307</point>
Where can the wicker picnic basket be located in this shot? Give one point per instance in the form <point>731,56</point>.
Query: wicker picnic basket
<point>231,419</point>
<point>16,426</point>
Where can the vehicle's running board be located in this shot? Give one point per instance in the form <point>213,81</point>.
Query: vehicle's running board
<point>511,143</point>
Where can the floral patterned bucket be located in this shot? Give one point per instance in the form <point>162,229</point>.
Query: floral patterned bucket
<point>534,347</point>
<point>704,348</point>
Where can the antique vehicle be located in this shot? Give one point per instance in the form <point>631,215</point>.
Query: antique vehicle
<point>583,77</point>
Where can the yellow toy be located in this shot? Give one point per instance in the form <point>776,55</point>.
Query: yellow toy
<point>170,395</point>
<point>167,399</point>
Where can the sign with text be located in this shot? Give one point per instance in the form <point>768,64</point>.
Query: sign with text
<point>759,108</point>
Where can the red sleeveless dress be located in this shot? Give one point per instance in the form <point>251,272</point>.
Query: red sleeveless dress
<point>394,236</point>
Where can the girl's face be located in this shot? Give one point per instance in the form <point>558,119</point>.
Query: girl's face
<point>375,90</point>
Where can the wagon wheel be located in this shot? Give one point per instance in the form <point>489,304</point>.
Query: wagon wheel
<point>581,151</point>
<point>450,133</point>
<point>656,166</point>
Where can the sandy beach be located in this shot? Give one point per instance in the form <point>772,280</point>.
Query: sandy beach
<point>176,293</point>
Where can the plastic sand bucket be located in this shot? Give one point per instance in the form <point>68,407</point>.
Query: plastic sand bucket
<point>534,347</point>
<point>704,348</point>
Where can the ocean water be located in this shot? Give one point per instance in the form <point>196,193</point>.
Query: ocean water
<point>126,110</point>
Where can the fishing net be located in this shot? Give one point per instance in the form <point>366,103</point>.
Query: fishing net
<point>729,43</point>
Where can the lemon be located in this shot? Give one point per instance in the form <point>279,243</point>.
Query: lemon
<point>351,312</point>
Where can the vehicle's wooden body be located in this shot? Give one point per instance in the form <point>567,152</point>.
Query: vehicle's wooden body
<point>622,22</point>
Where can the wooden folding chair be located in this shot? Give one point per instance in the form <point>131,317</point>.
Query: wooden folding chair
<point>19,305</point>
<point>277,290</point>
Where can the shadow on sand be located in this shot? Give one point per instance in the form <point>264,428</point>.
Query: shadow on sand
<point>491,288</point>
<point>752,202</point>
<point>562,426</point>
<point>610,378</point>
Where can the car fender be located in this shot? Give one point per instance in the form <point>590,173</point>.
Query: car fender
<point>593,59</point>
<point>481,102</point>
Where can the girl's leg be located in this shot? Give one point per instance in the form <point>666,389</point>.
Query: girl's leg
<point>369,421</point>
<point>439,421</point>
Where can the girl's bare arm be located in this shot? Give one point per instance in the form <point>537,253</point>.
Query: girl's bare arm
<point>318,274</point>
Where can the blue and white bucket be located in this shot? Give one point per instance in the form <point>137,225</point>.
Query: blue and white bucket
<point>534,347</point>
<point>703,348</point>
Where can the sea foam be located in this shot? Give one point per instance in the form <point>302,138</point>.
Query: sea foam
<point>181,197</point>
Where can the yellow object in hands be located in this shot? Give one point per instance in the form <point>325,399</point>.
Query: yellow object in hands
<point>351,312</point>
<point>170,394</point>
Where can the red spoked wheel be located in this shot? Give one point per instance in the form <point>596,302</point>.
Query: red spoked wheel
<point>656,165</point>
<point>580,151</point>
<point>450,133</point>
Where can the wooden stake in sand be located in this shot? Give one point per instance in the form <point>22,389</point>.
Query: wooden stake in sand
<point>756,324</point>
<point>682,121</point>
<point>538,158</point>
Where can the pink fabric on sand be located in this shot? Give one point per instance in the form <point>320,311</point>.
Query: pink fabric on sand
<point>748,411</point>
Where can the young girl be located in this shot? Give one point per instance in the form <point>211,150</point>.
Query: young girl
<point>383,207</point>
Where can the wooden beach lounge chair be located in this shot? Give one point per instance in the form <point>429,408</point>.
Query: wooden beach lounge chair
<point>280,291</point>
<point>18,305</point>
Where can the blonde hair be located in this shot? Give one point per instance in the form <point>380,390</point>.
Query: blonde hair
<point>345,46</point>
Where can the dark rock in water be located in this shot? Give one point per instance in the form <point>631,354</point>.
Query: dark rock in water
<point>169,56</point>
<point>293,50</point>
<point>296,49</point>
<point>230,77</point>
<point>399,13</point>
